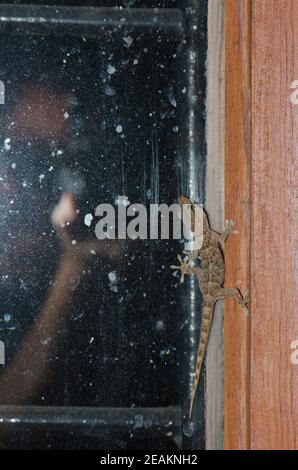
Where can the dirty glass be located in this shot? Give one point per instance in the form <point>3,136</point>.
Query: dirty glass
<point>99,335</point>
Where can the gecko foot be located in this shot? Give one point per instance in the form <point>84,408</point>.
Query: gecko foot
<point>230,225</point>
<point>184,267</point>
<point>246,299</point>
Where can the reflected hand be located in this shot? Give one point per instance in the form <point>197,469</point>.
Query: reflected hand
<point>63,215</point>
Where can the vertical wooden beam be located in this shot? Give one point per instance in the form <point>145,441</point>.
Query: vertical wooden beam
<point>274,264</point>
<point>215,208</point>
<point>261,383</point>
<point>237,207</point>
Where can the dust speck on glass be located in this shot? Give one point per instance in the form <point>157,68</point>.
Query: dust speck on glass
<point>99,103</point>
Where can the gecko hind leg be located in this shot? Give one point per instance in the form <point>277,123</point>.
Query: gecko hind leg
<point>222,237</point>
<point>242,300</point>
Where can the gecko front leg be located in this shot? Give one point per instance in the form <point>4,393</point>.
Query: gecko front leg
<point>185,267</point>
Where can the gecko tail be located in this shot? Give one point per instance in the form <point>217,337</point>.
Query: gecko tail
<point>196,380</point>
<point>205,332</point>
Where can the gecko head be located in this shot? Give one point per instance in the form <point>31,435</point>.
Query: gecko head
<point>185,200</point>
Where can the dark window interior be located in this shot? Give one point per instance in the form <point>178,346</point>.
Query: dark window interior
<point>101,355</point>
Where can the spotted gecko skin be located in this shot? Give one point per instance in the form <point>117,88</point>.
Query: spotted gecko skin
<point>210,276</point>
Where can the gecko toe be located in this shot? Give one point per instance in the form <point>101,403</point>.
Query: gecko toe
<point>246,296</point>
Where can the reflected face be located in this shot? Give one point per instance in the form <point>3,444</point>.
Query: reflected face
<point>39,113</point>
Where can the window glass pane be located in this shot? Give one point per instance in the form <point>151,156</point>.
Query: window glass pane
<point>90,119</point>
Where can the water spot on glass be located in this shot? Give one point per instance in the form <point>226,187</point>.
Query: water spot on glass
<point>122,200</point>
<point>113,278</point>
<point>7,144</point>
<point>172,100</point>
<point>138,421</point>
<point>7,317</point>
<point>160,325</point>
<point>109,91</point>
<point>111,69</point>
<point>119,129</point>
<point>128,40</point>
<point>88,219</point>
<point>165,352</point>
<point>46,341</point>
<point>188,429</point>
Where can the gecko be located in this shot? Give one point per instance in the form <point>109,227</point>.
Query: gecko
<point>210,275</point>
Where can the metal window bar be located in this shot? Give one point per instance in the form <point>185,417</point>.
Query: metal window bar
<point>93,19</point>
